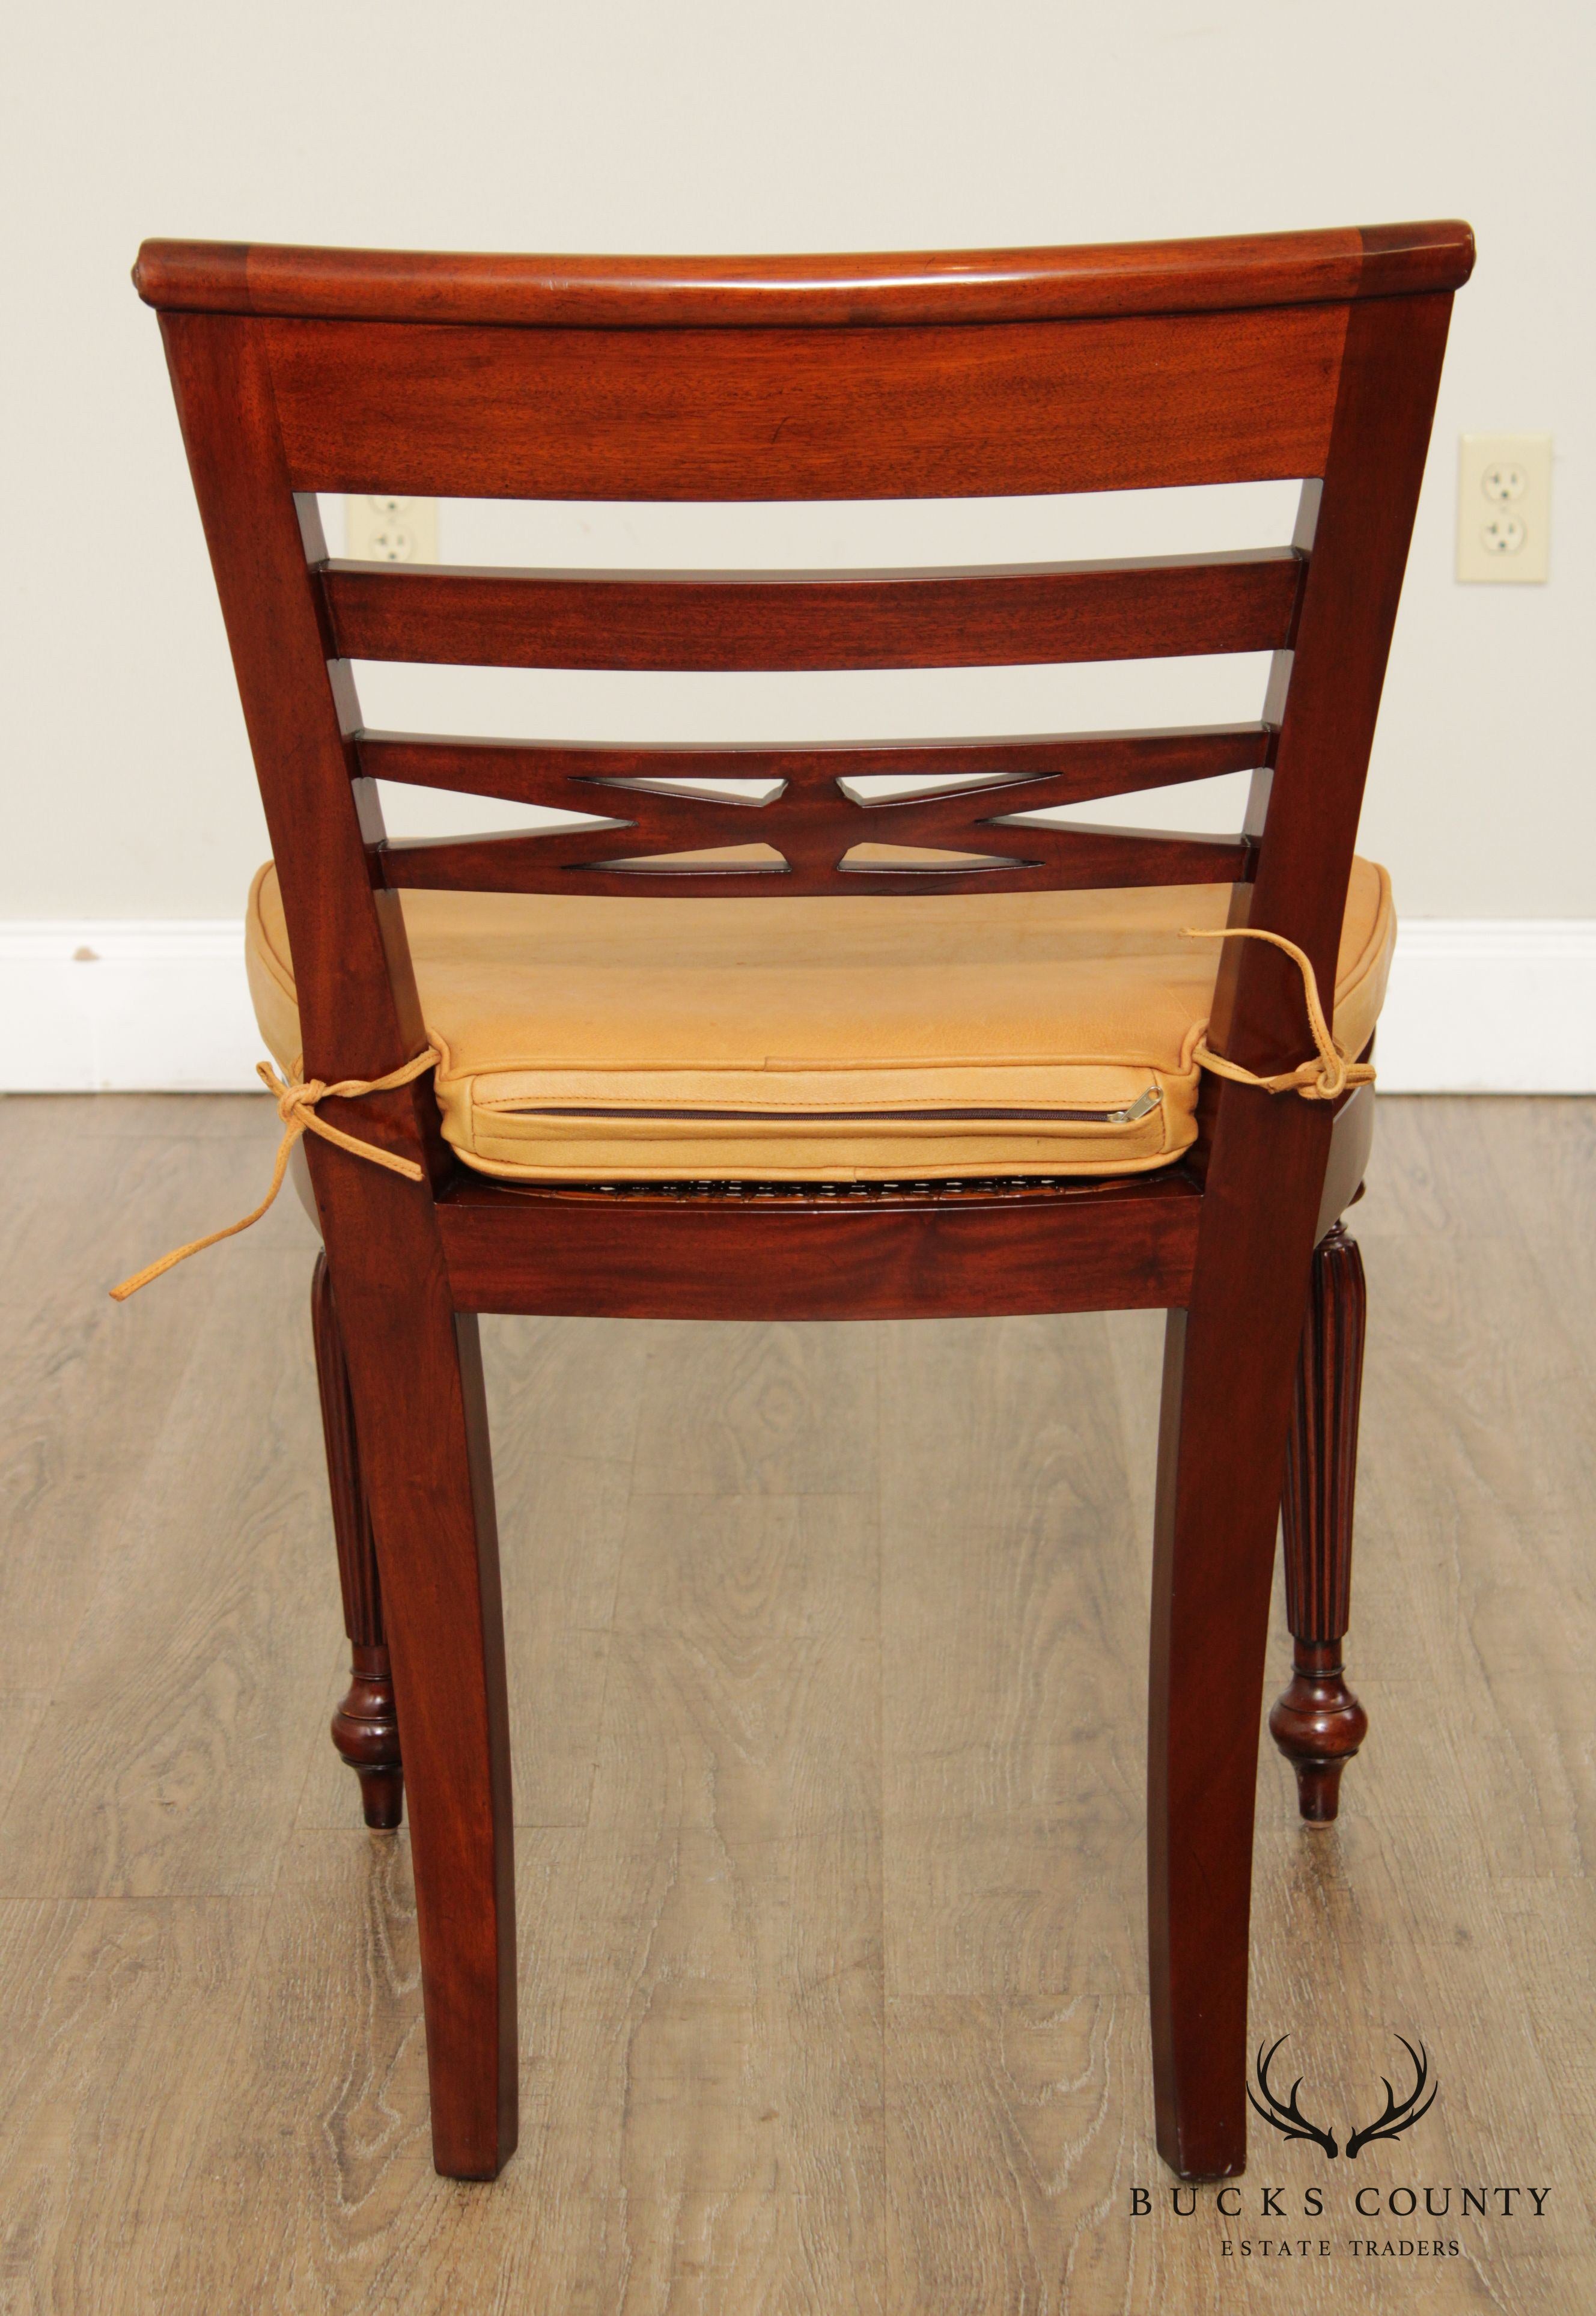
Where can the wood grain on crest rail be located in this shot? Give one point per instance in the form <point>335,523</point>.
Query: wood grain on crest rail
<point>736,415</point>
<point>913,287</point>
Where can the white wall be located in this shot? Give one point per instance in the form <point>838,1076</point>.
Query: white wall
<point>643,126</point>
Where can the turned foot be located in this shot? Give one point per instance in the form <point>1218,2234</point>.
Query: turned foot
<point>365,1727</point>
<point>366,1733</point>
<point>1318,1724</point>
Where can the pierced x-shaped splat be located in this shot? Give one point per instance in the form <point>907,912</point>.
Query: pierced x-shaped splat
<point>742,820</point>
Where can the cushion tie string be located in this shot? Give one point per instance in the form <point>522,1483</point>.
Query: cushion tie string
<point>1327,1078</point>
<point>296,1106</point>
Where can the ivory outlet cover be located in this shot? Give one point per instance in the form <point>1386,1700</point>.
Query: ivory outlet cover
<point>1504,509</point>
<point>384,530</point>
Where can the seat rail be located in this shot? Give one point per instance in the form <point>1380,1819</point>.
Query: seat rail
<point>792,1250</point>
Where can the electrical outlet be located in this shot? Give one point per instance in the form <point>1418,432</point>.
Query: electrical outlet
<point>1504,509</point>
<point>387,530</point>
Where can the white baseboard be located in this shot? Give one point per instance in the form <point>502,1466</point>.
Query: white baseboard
<point>1477,1005</point>
<point>110,1006</point>
<point>1491,1005</point>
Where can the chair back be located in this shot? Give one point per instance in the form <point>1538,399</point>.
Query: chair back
<point>1307,356</point>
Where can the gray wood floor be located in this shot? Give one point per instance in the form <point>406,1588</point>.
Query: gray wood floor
<point>827,1654</point>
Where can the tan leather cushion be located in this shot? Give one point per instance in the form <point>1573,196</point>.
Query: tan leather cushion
<point>818,1039</point>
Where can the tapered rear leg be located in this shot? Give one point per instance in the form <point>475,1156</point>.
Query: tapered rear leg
<point>1316,1721</point>
<point>416,1373</point>
<point>365,1727</point>
<point>1229,1362</point>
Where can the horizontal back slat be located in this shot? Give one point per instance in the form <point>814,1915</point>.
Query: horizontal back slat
<point>1024,860</point>
<point>1070,768</point>
<point>1142,403</point>
<point>855,619</point>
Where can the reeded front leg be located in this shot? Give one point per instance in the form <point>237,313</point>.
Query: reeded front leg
<point>365,1729</point>
<point>1316,1721</point>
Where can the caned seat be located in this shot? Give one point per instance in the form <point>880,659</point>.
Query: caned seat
<point>828,1040</point>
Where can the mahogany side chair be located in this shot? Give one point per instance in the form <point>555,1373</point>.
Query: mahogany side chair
<point>956,1061</point>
